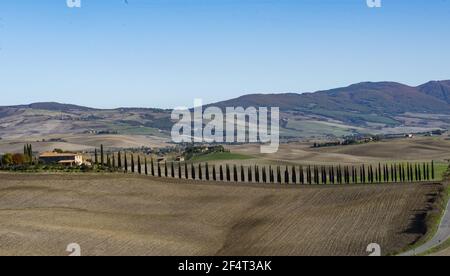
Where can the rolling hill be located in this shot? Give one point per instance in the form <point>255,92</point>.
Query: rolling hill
<point>360,103</point>
<point>368,107</point>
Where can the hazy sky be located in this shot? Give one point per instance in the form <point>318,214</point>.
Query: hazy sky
<point>165,53</point>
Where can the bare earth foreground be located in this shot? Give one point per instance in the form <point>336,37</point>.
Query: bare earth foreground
<point>131,215</point>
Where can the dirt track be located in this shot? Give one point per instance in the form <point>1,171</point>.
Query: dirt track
<point>131,215</point>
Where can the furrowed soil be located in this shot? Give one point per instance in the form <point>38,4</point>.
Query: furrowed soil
<point>41,214</point>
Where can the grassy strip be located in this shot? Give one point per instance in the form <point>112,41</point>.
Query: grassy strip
<point>438,248</point>
<point>434,217</point>
<point>446,244</point>
<point>220,156</point>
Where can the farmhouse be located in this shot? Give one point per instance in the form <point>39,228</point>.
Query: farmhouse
<point>67,159</point>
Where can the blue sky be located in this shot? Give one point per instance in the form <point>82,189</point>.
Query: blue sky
<point>165,53</point>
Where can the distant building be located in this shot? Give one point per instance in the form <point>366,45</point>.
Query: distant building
<point>66,159</point>
<point>179,159</point>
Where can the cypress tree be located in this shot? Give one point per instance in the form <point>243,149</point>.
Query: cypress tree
<point>200,172</point>
<point>152,165</point>
<point>257,174</point>
<point>132,163</point>
<point>166,170</point>
<point>286,175</point>
<point>139,165</point>
<point>180,175</point>
<point>172,169</point>
<point>433,173</point>
<point>392,173</point>
<point>113,161</point>
<point>214,173</point>
<point>416,172</point>
<point>264,174</point>
<point>385,173</point>
<point>193,171</point>
<point>279,175</point>
<point>146,166</point>
<point>207,171</point>
<point>271,176</point>
<point>159,169</point>
<point>424,171</point>
<point>294,175</point>
<point>126,163</point>
<point>302,175</point>
<point>242,174</point>
<point>119,160</point>
<point>95,157</point>
<point>353,174</point>
<point>102,161</point>
<point>308,175</point>
<point>419,174</point>
<point>221,173</point>
<point>250,175</point>
<point>228,173</point>
<point>235,173</point>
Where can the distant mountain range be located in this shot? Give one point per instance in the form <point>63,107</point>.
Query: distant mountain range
<point>358,103</point>
<point>363,107</point>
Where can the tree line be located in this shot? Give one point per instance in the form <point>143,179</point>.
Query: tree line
<point>302,174</point>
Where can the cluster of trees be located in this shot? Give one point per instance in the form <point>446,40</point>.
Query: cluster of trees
<point>18,159</point>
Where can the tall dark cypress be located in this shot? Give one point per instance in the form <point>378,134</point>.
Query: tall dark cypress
<point>242,174</point>
<point>264,174</point>
<point>416,172</point>
<point>172,169</point>
<point>126,162</point>
<point>159,169</point>
<point>139,165</point>
<point>186,171</point>
<point>250,174</point>
<point>257,180</point>
<point>180,175</point>
<point>286,175</point>
<point>166,170</point>
<point>221,173</point>
<point>132,163</point>
<point>207,172</point>
<point>193,174</point>
<point>424,171</point>
<point>119,160</point>
<point>308,175</point>
<point>419,174</point>
<point>214,173</point>
<point>102,160</point>
<point>235,173</point>
<point>302,175</point>
<point>200,172</point>
<point>279,175</point>
<point>152,165</point>
<point>294,175</point>
<point>228,173</point>
<point>433,172</point>
<point>146,166</point>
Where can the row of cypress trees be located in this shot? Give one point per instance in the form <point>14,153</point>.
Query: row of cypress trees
<point>294,175</point>
<point>311,174</point>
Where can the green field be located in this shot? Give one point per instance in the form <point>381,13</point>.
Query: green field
<point>220,156</point>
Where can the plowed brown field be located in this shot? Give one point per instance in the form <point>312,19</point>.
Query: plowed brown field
<point>131,215</point>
